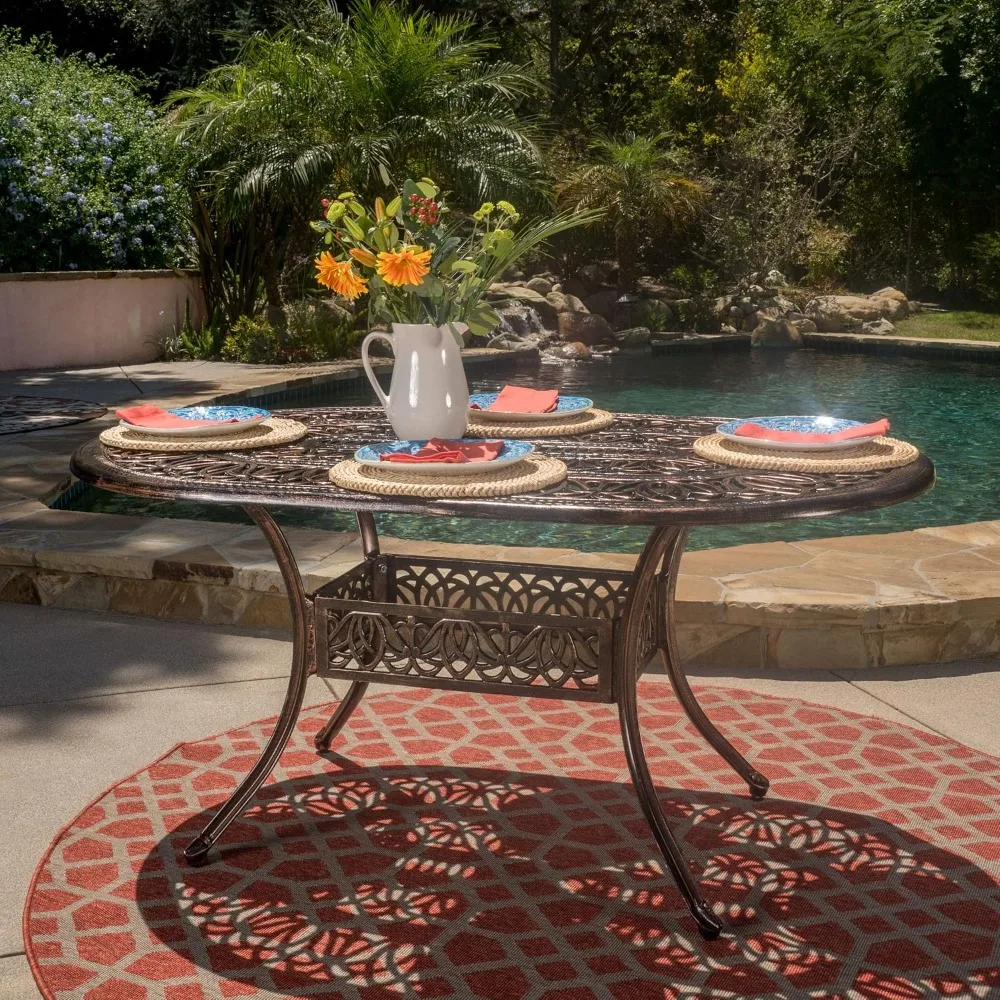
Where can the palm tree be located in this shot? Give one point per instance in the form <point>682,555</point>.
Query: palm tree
<point>371,99</point>
<point>639,185</point>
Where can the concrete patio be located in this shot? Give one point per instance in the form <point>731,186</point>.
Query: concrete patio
<point>88,698</point>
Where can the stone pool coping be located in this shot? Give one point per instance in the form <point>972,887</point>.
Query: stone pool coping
<point>858,601</point>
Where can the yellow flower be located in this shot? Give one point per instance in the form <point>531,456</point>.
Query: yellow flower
<point>407,266</point>
<point>365,257</point>
<point>340,276</point>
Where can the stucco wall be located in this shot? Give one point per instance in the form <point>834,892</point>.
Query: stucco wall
<point>60,319</point>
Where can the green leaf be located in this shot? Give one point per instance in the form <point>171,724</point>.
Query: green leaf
<point>357,208</point>
<point>394,206</point>
<point>384,174</point>
<point>464,266</point>
<point>317,226</point>
<point>482,320</point>
<point>380,241</point>
<point>392,235</point>
<point>353,228</point>
<point>426,188</point>
<point>429,288</point>
<point>409,188</point>
<point>328,239</point>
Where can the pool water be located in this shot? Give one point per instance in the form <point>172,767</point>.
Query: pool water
<point>948,408</point>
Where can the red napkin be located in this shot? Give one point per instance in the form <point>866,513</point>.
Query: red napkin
<point>148,415</point>
<point>752,430</point>
<point>440,450</point>
<point>518,399</point>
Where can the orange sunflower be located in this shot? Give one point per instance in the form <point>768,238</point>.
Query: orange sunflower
<point>407,266</point>
<point>340,276</point>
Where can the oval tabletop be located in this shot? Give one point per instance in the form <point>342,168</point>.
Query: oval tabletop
<point>640,470</point>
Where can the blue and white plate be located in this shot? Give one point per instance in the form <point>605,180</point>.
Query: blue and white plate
<point>511,453</point>
<point>802,425</point>
<point>244,416</point>
<point>566,406</point>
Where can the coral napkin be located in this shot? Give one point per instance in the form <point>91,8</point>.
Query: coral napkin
<point>440,450</point>
<point>752,430</point>
<point>518,399</point>
<point>148,415</point>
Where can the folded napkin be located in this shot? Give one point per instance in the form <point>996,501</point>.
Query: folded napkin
<point>518,399</point>
<point>752,430</point>
<point>148,415</point>
<point>440,450</point>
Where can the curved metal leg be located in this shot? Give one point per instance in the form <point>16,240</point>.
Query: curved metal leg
<point>196,852</point>
<point>626,679</point>
<point>341,714</point>
<point>351,700</point>
<point>756,782</point>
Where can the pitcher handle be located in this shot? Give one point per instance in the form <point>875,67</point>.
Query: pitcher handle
<point>376,335</point>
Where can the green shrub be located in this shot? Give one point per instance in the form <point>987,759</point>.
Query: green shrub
<point>320,330</point>
<point>985,253</point>
<point>252,342</point>
<point>85,170</point>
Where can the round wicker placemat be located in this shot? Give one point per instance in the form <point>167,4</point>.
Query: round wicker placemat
<point>267,434</point>
<point>592,420</point>
<point>882,453</point>
<point>532,474</point>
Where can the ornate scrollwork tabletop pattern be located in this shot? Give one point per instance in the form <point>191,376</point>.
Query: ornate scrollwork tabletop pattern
<point>640,470</point>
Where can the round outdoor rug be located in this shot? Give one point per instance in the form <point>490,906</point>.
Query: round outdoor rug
<point>35,413</point>
<point>462,846</point>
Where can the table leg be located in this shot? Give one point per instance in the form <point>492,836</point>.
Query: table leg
<point>351,700</point>
<point>757,782</point>
<point>626,681</point>
<point>196,852</point>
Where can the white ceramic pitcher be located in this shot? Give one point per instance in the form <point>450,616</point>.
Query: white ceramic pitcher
<point>428,395</point>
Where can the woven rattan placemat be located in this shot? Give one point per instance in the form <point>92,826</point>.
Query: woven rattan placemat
<point>267,434</point>
<point>882,453</point>
<point>532,474</point>
<point>592,420</point>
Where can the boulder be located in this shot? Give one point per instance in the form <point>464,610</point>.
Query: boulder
<point>635,336</point>
<point>604,303</point>
<point>510,342</point>
<point>506,294</point>
<point>835,313</point>
<point>775,278</point>
<point>539,284</point>
<point>584,327</point>
<point>722,306</point>
<point>565,303</point>
<point>651,288</point>
<point>573,351</point>
<point>879,326</point>
<point>595,276</point>
<point>890,293</point>
<point>729,331</point>
<point>776,333</point>
<point>803,324</point>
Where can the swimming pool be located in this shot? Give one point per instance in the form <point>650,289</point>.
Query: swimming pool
<point>948,407</point>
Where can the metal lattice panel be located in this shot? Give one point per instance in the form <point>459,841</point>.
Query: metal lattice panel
<point>640,470</point>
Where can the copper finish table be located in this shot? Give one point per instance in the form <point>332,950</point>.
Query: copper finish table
<point>537,631</point>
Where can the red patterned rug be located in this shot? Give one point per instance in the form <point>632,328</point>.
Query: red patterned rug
<point>462,846</point>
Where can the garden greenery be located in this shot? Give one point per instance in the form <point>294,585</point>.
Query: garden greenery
<point>88,178</point>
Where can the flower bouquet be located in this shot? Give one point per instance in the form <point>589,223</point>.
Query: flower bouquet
<point>425,270</point>
<point>419,263</point>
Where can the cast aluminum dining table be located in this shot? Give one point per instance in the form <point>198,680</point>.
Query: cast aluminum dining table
<point>500,627</point>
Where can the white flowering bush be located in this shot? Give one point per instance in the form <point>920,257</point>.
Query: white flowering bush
<point>86,179</point>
